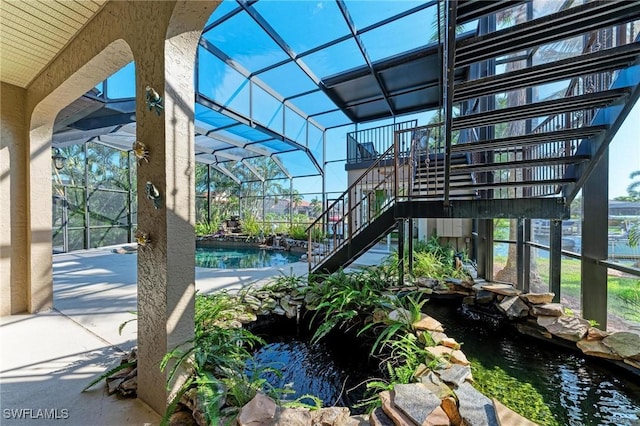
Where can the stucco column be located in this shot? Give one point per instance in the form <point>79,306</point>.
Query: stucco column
<point>166,266</point>
<point>14,163</point>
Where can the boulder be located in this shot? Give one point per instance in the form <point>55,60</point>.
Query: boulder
<point>260,411</point>
<point>565,327</point>
<point>416,402</point>
<point>625,344</point>
<point>474,407</point>
<point>597,348</point>
<point>538,298</point>
<point>428,323</point>
<point>548,309</point>
<point>514,307</point>
<point>358,420</point>
<point>503,289</point>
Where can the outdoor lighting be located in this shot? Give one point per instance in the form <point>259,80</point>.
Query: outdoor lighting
<point>58,159</point>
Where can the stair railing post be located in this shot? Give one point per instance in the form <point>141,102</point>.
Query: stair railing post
<point>396,166</point>
<point>448,65</point>
<point>400,252</point>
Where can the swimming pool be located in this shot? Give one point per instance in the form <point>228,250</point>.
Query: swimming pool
<point>242,257</point>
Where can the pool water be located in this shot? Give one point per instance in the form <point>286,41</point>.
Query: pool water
<point>242,257</point>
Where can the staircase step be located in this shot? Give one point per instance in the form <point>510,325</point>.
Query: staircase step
<point>539,109</point>
<point>546,29</point>
<point>531,139</point>
<point>590,63</point>
<point>539,162</point>
<point>468,10</point>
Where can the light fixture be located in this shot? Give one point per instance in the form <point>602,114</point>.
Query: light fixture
<point>58,159</point>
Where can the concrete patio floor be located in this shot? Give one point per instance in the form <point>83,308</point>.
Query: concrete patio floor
<point>47,358</point>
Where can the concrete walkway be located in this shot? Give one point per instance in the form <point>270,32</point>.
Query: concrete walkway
<point>47,358</point>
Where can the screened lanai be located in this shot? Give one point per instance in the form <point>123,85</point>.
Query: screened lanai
<point>289,93</point>
<point>269,87</point>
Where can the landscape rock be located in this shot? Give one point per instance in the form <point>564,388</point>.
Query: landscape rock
<point>438,417</point>
<point>330,416</point>
<point>260,411</point>
<point>506,416</point>
<point>359,420</point>
<point>415,401</point>
<point>438,337</point>
<point>503,289</point>
<point>565,327</point>
<point>450,343</point>
<point>456,374</point>
<point>484,297</point>
<point>182,418</point>
<point>453,355</point>
<point>450,407</point>
<point>596,334</point>
<point>379,418</point>
<point>474,407</point>
<point>428,323</point>
<point>597,348</point>
<point>469,300</point>
<point>397,416</point>
<point>632,363</point>
<point>624,343</point>
<point>436,386</point>
<point>427,282</point>
<point>548,309</point>
<point>533,330</point>
<point>293,417</point>
<point>421,370</point>
<point>514,307</point>
<point>538,298</point>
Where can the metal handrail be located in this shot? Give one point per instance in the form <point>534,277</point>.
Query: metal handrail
<point>344,225</point>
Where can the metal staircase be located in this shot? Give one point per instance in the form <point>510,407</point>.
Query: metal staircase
<point>533,170</point>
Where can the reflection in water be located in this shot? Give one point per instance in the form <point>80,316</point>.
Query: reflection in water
<point>313,369</point>
<point>242,258</point>
<point>579,391</point>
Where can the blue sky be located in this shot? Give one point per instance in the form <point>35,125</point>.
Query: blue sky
<point>624,154</point>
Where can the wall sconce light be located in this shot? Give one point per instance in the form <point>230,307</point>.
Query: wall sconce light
<point>58,159</point>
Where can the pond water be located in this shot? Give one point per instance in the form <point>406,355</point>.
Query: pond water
<point>332,370</point>
<point>242,257</point>
<point>577,390</point>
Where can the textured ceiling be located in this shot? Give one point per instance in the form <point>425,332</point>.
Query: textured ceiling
<point>32,32</point>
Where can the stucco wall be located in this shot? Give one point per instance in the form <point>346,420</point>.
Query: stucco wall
<point>13,216</point>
